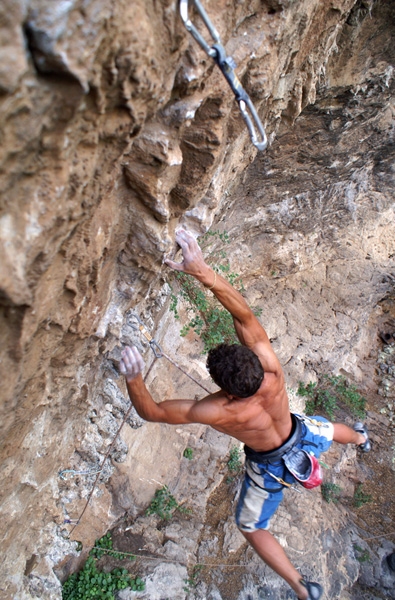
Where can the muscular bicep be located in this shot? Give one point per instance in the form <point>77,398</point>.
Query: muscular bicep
<point>178,412</point>
<point>252,334</point>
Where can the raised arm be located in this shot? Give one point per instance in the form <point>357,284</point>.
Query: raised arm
<point>249,330</point>
<point>175,412</point>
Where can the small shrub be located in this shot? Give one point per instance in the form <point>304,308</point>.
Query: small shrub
<point>331,492</point>
<point>360,498</point>
<point>330,392</point>
<point>362,555</point>
<point>91,583</point>
<point>104,546</point>
<point>234,463</point>
<point>188,453</point>
<point>207,318</point>
<point>193,579</point>
<point>212,323</point>
<point>164,504</point>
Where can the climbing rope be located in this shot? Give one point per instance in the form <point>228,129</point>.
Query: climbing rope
<point>144,557</point>
<point>168,560</point>
<point>158,353</point>
<point>377,537</point>
<point>227,66</point>
<point>76,522</point>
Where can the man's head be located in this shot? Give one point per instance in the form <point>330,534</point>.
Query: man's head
<point>235,369</point>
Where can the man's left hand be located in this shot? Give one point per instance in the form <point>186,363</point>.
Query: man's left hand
<point>193,262</point>
<point>132,363</point>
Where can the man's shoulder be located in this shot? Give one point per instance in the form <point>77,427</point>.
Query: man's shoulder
<point>273,383</point>
<point>272,396</point>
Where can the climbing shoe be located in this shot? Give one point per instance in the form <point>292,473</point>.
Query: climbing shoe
<point>361,428</point>
<point>314,589</point>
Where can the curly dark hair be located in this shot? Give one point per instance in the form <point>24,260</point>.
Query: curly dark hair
<point>235,369</point>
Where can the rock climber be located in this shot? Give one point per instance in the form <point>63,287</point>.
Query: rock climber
<point>252,406</point>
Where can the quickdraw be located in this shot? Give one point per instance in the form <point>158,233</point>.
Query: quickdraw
<point>279,480</point>
<point>227,66</point>
<point>284,483</point>
<point>156,349</point>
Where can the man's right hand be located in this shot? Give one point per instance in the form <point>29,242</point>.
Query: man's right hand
<point>132,363</point>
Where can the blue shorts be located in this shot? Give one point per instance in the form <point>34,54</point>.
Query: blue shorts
<point>261,494</point>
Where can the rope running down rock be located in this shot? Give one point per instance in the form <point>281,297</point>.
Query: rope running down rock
<point>158,352</point>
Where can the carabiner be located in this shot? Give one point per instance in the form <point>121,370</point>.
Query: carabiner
<point>227,66</point>
<point>192,29</point>
<point>156,349</point>
<point>243,104</point>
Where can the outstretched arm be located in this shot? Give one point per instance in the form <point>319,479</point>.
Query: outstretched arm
<point>249,330</point>
<point>175,412</point>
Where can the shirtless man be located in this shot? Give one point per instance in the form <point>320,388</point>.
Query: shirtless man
<point>252,406</point>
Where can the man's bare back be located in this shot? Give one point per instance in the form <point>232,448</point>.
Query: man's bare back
<point>262,422</point>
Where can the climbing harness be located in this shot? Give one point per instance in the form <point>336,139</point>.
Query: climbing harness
<point>279,480</point>
<point>302,465</point>
<point>158,353</point>
<point>227,66</point>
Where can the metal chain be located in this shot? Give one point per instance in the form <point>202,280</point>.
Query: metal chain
<point>227,65</point>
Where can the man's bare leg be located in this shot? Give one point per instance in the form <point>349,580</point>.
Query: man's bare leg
<point>345,435</point>
<point>269,549</point>
<point>271,552</point>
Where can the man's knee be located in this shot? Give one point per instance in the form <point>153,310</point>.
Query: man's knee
<point>252,533</point>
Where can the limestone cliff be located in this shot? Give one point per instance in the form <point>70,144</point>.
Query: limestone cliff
<point>116,127</point>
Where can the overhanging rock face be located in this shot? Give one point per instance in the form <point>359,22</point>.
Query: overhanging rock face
<point>116,127</point>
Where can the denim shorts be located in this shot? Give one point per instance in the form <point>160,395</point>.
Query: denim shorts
<point>261,494</point>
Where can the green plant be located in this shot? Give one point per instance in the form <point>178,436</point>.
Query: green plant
<point>192,580</point>
<point>331,492</point>
<point>363,555</point>
<point>93,584</point>
<point>105,546</point>
<point>164,504</point>
<point>234,463</point>
<point>188,453</point>
<point>330,392</point>
<point>207,318</point>
<point>360,498</point>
